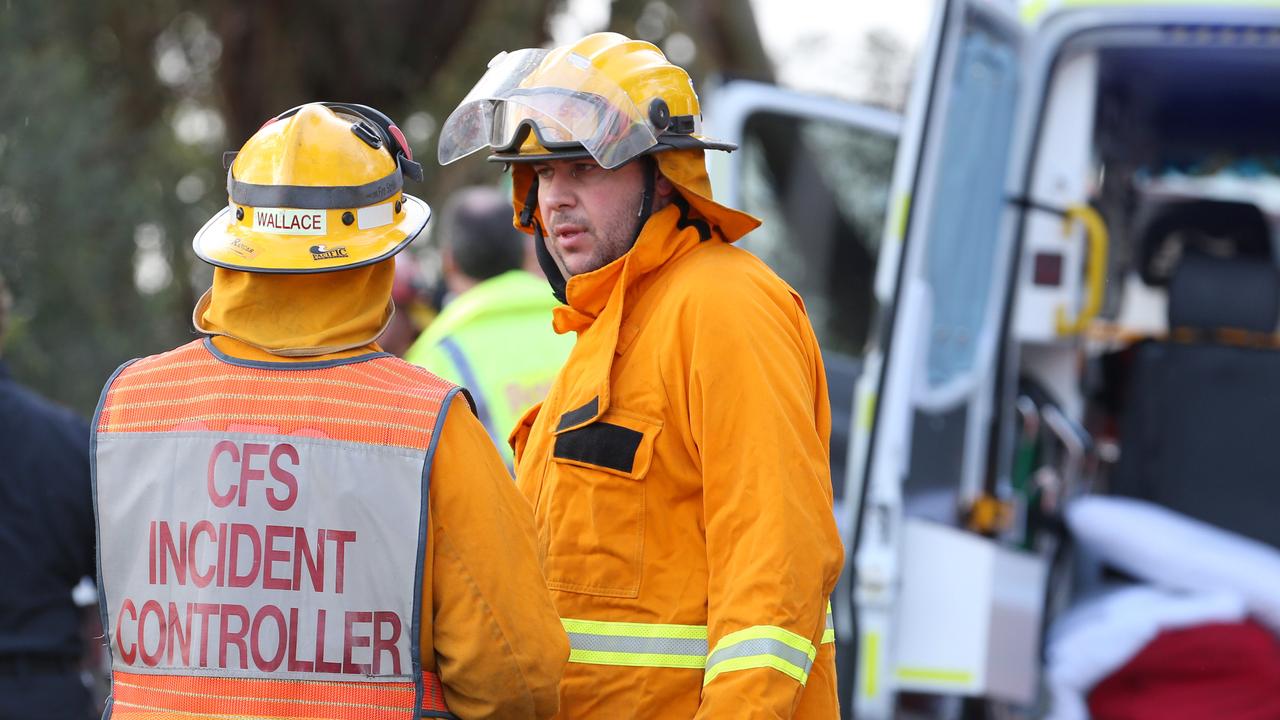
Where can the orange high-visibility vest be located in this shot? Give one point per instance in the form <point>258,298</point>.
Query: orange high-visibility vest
<point>261,534</point>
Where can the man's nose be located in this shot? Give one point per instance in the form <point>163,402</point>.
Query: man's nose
<point>555,192</point>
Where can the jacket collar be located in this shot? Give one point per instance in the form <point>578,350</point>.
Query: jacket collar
<point>597,308</point>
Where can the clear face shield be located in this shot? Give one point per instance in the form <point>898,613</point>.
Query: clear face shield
<point>567,104</point>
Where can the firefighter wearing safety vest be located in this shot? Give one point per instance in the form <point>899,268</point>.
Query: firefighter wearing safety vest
<point>678,466</point>
<point>292,522</point>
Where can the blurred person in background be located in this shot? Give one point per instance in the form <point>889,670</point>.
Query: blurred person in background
<point>46,542</point>
<point>414,309</point>
<point>288,436</point>
<point>494,335</point>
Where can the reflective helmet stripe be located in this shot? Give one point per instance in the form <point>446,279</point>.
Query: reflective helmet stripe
<point>314,196</point>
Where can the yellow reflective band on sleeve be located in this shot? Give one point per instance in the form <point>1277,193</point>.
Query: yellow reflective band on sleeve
<point>829,633</point>
<point>595,642</point>
<point>762,646</point>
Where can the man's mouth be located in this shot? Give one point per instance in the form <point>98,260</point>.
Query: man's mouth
<point>568,233</point>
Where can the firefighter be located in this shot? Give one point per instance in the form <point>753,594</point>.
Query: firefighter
<point>678,465</point>
<point>291,521</point>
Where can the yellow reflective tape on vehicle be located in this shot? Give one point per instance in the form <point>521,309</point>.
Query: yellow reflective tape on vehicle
<point>870,664</point>
<point>945,677</point>
<point>868,414</point>
<point>1033,11</point>
<point>762,646</point>
<point>904,210</point>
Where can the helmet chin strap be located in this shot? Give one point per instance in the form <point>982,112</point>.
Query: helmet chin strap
<point>551,268</point>
<point>646,201</point>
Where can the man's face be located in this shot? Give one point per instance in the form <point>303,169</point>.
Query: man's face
<point>590,212</point>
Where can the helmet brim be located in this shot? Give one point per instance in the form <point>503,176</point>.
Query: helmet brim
<point>665,142</point>
<point>232,244</point>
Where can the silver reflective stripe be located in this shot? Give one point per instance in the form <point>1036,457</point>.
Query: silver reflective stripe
<point>762,646</point>
<point>646,645</point>
<point>596,642</point>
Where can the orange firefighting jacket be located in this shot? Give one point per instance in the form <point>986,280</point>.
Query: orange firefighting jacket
<point>679,474</point>
<point>487,629</point>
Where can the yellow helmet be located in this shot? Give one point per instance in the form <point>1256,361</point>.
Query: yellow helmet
<point>318,188</point>
<point>606,97</point>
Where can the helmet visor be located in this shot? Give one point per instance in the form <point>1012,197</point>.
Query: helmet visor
<point>566,103</point>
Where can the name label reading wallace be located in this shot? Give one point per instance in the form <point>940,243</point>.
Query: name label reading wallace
<point>289,221</point>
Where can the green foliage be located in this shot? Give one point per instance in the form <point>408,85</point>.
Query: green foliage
<point>75,183</point>
<point>116,113</point>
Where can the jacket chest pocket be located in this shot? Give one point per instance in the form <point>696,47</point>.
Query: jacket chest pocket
<point>596,507</point>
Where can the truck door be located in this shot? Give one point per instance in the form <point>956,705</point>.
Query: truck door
<point>817,171</point>
<point>920,446</point>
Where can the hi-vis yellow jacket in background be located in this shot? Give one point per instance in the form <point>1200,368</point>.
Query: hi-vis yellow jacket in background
<point>679,474</point>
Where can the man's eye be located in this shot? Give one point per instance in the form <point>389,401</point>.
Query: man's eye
<point>581,169</point>
<point>543,172</point>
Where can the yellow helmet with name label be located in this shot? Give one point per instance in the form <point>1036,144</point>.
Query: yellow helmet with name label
<point>318,188</point>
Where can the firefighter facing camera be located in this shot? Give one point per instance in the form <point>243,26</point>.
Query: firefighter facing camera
<point>678,465</point>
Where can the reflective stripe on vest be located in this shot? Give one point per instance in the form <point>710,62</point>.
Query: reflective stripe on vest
<point>261,530</point>
<point>596,642</point>
<point>135,695</point>
<point>472,383</point>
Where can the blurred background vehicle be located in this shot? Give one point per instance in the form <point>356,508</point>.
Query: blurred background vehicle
<point>1075,295</point>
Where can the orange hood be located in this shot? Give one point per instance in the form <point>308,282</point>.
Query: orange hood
<point>274,316</point>
<point>686,169</point>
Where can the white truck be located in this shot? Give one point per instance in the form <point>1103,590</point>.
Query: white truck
<point>999,285</point>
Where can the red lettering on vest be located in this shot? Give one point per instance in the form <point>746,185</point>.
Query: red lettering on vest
<point>271,556</point>
<point>387,642</point>
<point>268,664</point>
<point>151,607</point>
<point>178,638</point>
<point>281,496</point>
<point>262,640</point>
<point>202,527</point>
<point>205,611</point>
<point>172,553</point>
<point>341,537</point>
<point>352,641</point>
<point>296,665</point>
<point>315,563</point>
<point>242,531</point>
<point>224,446</point>
<point>234,637</point>
<point>323,665</point>
<point>131,653</point>
<point>284,477</point>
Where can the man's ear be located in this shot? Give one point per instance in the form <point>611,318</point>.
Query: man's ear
<point>663,188</point>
